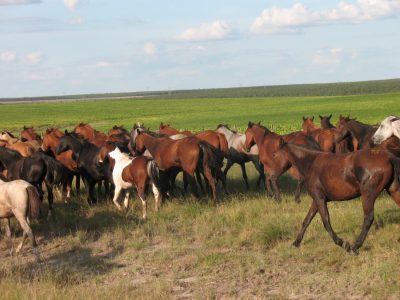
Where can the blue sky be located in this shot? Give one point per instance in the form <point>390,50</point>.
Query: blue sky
<point>57,47</point>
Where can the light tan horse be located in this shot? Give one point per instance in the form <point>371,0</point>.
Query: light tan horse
<point>19,199</point>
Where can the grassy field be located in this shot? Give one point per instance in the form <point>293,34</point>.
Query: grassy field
<point>240,249</point>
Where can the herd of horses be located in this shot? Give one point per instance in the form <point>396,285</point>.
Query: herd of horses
<point>335,163</point>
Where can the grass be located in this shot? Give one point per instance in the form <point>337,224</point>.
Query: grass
<point>240,249</point>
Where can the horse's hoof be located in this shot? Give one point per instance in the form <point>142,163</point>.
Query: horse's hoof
<point>296,244</point>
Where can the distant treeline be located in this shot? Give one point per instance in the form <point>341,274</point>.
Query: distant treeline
<point>293,90</point>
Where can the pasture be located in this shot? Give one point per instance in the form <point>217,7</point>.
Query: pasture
<point>191,249</point>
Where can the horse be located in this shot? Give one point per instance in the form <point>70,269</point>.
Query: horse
<point>343,146</point>
<point>324,137</point>
<point>51,140</point>
<point>93,136</point>
<point>29,136</point>
<point>137,172</point>
<point>120,137</point>
<point>21,200</point>
<point>361,133</point>
<point>238,155</point>
<point>268,143</point>
<point>333,177</point>
<point>168,130</point>
<point>326,122</point>
<point>88,162</point>
<point>390,126</point>
<point>188,154</point>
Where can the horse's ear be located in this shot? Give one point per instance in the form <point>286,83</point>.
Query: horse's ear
<point>312,119</point>
<point>66,131</point>
<point>259,123</point>
<point>25,127</point>
<point>282,143</point>
<point>161,125</point>
<point>250,124</point>
<point>304,118</point>
<point>330,116</point>
<point>320,117</point>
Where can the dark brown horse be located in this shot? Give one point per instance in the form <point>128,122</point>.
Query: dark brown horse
<point>188,153</point>
<point>333,177</point>
<point>324,137</point>
<point>360,133</point>
<point>268,143</point>
<point>51,140</point>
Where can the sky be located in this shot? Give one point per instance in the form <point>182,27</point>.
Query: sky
<point>59,47</point>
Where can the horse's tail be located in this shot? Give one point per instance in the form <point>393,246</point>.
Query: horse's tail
<point>223,143</point>
<point>33,203</point>
<point>155,175</point>
<point>211,156</point>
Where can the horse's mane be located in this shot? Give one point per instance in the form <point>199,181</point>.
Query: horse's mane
<point>227,127</point>
<point>9,133</point>
<point>155,134</point>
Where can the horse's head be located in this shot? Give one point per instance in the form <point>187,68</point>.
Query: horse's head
<point>250,139</point>
<point>326,121</point>
<point>386,129</point>
<point>342,133</point>
<point>308,124</point>
<point>342,120</point>
<point>70,141</point>
<point>139,146</point>
<point>29,134</point>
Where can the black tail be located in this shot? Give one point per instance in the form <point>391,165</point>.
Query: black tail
<point>156,176</point>
<point>210,156</point>
<point>34,203</point>
<point>396,171</point>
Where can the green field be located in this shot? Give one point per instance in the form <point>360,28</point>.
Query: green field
<point>241,249</point>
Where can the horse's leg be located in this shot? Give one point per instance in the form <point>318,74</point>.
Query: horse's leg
<point>99,184</point>
<point>142,195</point>
<point>222,177</point>
<point>27,232</point>
<point>157,195</point>
<point>229,165</point>
<point>244,174</point>
<point>68,187</point>
<point>8,235</point>
<point>324,213</point>
<point>275,186</point>
<point>117,191</point>
<point>50,199</point>
<point>211,182</point>
<point>192,182</point>
<point>260,169</point>
<point>300,184</point>
<point>126,200</point>
<point>307,220</point>
<point>268,187</point>
<point>199,181</point>
<point>78,184</point>
<point>368,207</point>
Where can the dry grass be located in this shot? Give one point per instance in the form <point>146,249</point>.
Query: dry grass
<point>240,249</point>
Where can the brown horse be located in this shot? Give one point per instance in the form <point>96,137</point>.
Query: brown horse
<point>333,177</point>
<point>324,137</point>
<point>51,140</point>
<point>9,141</point>
<point>188,153</point>
<point>168,130</point>
<point>89,133</point>
<point>343,146</point>
<point>360,133</point>
<point>29,136</point>
<point>268,143</point>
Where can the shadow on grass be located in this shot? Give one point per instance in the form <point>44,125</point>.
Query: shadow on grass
<point>74,266</point>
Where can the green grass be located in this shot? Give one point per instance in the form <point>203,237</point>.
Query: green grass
<point>240,249</point>
<point>282,114</point>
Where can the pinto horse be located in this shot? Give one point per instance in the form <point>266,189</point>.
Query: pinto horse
<point>324,137</point>
<point>188,154</point>
<point>51,140</point>
<point>332,177</point>
<point>268,143</point>
<point>136,172</point>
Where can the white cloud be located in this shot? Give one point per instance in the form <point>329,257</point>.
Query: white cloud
<point>8,56</point>
<point>103,64</point>
<point>46,75</point>
<point>71,4</point>
<point>276,19</point>
<point>328,57</point>
<point>149,49</point>
<point>34,57</point>
<point>77,21</point>
<point>210,31</point>
<point>18,2</point>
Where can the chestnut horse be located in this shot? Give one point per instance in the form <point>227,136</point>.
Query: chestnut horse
<point>11,142</point>
<point>268,143</point>
<point>189,154</point>
<point>332,177</point>
<point>343,146</point>
<point>361,133</point>
<point>89,133</point>
<point>29,135</point>
<point>51,140</point>
<point>324,137</point>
